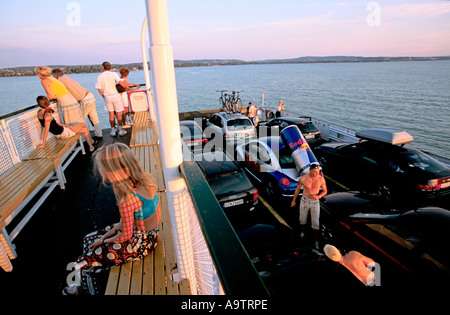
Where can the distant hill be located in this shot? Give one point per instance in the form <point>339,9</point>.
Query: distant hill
<point>27,71</point>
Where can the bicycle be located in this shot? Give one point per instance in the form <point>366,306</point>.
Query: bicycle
<point>236,102</point>
<point>230,102</point>
<point>223,100</point>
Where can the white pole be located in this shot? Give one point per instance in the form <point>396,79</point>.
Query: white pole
<point>164,88</point>
<point>151,104</point>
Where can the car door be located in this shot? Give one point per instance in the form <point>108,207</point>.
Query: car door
<point>272,128</point>
<point>251,158</point>
<point>345,164</point>
<point>363,166</point>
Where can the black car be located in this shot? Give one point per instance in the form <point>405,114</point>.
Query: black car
<point>413,239</point>
<point>231,186</point>
<point>273,128</point>
<point>192,134</point>
<point>389,169</point>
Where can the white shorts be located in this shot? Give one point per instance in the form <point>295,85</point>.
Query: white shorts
<point>67,133</point>
<point>114,103</point>
<point>124,96</point>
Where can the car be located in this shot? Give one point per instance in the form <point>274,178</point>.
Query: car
<point>413,238</point>
<point>341,205</point>
<point>382,162</point>
<point>273,128</point>
<point>234,128</point>
<point>273,247</point>
<point>192,134</point>
<point>231,186</point>
<point>269,162</point>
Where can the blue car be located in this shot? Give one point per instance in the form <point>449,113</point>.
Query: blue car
<point>268,161</point>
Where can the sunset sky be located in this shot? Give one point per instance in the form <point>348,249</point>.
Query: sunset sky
<point>50,32</point>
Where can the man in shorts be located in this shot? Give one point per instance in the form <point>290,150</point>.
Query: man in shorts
<point>106,85</point>
<point>314,188</point>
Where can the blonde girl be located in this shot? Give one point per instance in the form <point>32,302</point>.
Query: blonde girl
<point>136,234</point>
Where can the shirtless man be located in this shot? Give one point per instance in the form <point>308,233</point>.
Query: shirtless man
<point>314,188</point>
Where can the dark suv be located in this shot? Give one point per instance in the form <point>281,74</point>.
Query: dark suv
<point>311,133</point>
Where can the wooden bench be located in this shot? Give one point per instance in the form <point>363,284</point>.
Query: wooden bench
<point>151,275</point>
<point>143,132</point>
<point>33,174</point>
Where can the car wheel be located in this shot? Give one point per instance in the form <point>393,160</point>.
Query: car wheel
<point>322,161</point>
<point>271,189</point>
<point>326,234</point>
<point>384,191</point>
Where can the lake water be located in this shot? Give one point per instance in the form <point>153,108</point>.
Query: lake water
<point>414,96</point>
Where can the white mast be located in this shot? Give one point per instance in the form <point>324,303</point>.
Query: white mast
<point>150,99</point>
<point>164,90</point>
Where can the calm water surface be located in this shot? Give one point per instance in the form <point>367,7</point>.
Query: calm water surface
<point>414,96</point>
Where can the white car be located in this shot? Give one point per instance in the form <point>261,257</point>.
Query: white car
<point>268,160</point>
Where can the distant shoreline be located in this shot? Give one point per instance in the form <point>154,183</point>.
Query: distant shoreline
<point>71,69</point>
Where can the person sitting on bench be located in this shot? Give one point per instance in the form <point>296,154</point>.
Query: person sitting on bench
<point>49,124</point>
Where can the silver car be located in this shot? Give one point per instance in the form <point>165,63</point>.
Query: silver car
<point>234,128</point>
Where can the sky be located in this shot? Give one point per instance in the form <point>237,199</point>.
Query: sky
<point>59,32</point>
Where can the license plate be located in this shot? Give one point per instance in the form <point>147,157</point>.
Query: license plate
<point>233,203</point>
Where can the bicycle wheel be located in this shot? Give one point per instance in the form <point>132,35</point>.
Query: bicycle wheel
<point>221,104</point>
<point>238,105</point>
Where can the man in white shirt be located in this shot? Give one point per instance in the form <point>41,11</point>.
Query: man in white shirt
<point>106,85</point>
<point>252,111</point>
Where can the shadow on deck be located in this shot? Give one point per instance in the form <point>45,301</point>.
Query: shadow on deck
<point>53,237</point>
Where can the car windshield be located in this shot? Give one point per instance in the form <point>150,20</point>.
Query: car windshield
<point>423,161</point>
<point>239,124</point>
<point>229,183</point>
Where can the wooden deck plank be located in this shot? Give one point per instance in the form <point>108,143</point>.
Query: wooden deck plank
<point>123,287</point>
<point>185,287</point>
<point>148,277</point>
<point>113,281</point>
<point>136,278</point>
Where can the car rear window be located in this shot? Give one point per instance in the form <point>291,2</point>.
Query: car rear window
<point>285,158</point>
<point>229,183</point>
<point>423,161</point>
<point>190,131</point>
<point>307,127</point>
<point>239,124</point>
